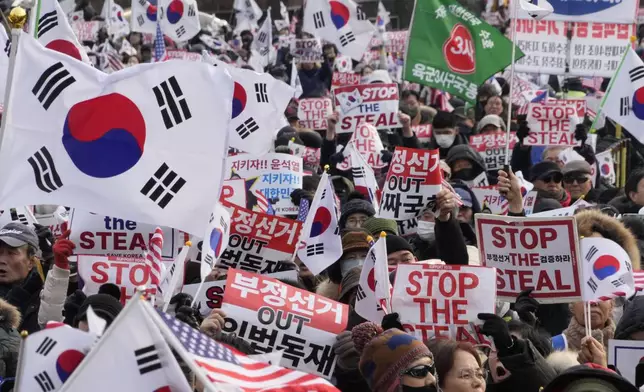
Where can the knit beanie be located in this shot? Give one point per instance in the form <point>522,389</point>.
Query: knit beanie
<point>355,203</point>
<point>386,356</point>
<point>396,243</point>
<point>443,120</point>
<point>375,225</point>
<point>104,305</point>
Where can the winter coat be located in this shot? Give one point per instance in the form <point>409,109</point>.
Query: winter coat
<point>632,319</point>
<point>624,205</point>
<point>529,371</point>
<point>26,297</point>
<point>9,339</point>
<point>53,296</point>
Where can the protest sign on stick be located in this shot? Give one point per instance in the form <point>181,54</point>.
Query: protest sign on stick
<point>376,104</point>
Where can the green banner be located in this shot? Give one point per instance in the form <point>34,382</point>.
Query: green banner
<point>451,49</point>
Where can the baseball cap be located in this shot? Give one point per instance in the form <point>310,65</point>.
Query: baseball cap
<point>16,235</point>
<point>542,169</point>
<point>576,167</point>
<point>466,197</point>
<point>491,119</point>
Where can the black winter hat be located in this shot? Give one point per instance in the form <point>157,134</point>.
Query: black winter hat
<point>104,305</point>
<point>465,151</point>
<point>355,203</point>
<point>595,375</point>
<point>542,169</point>
<point>396,243</point>
<point>443,120</point>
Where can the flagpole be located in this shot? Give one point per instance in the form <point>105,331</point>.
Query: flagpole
<point>513,26</point>
<point>15,37</point>
<point>33,22</point>
<point>21,358</point>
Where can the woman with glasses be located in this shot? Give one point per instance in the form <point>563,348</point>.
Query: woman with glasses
<point>458,366</point>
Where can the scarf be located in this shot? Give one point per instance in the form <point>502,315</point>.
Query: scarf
<point>575,332</point>
<point>563,198</point>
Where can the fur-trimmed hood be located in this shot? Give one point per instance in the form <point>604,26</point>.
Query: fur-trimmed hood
<point>9,315</point>
<point>593,221</point>
<point>328,289</point>
<point>562,360</point>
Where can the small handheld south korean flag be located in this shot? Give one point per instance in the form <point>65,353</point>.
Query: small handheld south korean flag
<point>216,239</point>
<point>363,177</point>
<point>374,289</point>
<point>607,166</point>
<point>340,22</point>
<point>607,271</point>
<point>264,37</point>
<point>320,243</point>
<point>179,19</point>
<point>624,101</point>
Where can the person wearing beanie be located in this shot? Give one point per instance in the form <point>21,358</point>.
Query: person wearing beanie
<point>491,123</point>
<point>355,211</point>
<point>465,163</point>
<point>54,294</point>
<point>633,198</point>
<point>393,361</point>
<point>375,226</point>
<point>445,134</point>
<point>399,251</point>
<point>104,305</point>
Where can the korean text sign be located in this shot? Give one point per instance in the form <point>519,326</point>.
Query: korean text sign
<point>313,112</point>
<point>272,316</point>
<point>538,253</point>
<point>376,104</point>
<point>442,300</point>
<point>491,146</point>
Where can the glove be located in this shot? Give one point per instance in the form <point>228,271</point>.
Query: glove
<point>189,316</point>
<point>298,194</point>
<point>581,133</point>
<point>337,158</point>
<point>345,351</point>
<point>45,240</point>
<point>63,248</point>
<point>390,321</point>
<point>72,304</point>
<point>386,156</point>
<point>496,328</point>
<point>181,299</point>
<point>523,130</point>
<point>526,307</point>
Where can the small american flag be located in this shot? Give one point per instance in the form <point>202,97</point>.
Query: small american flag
<point>304,210</point>
<point>639,281</point>
<point>263,204</point>
<point>540,96</point>
<point>159,46</point>
<point>153,257</point>
<point>594,83</point>
<point>227,366</point>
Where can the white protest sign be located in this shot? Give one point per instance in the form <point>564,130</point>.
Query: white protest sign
<point>367,142</point>
<point>57,221</point>
<point>545,45</point>
<point>442,300</point>
<point>491,147</point>
<point>625,355</point>
<point>376,104</point>
<point>182,54</point>
<point>491,200</point>
<point>624,11</point>
<point>528,252</point>
<point>597,48</point>
<point>86,31</point>
<point>307,50</point>
<point>313,112</point>
<point>529,202</point>
<point>553,122</point>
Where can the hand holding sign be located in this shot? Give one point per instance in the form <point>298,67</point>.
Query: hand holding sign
<point>496,328</point>
<point>63,248</point>
<point>445,204</point>
<point>592,351</point>
<point>510,188</point>
<point>214,323</point>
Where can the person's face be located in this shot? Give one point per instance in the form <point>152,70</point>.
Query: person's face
<point>445,131</point>
<point>133,60</point>
<point>465,375</point>
<point>638,197</point>
<point>577,184</point>
<point>549,183</point>
<point>599,313</point>
<point>639,335</point>
<point>14,264</point>
<point>246,39</point>
<point>412,103</point>
<point>413,375</point>
<point>400,257</point>
<point>329,53</point>
<point>490,129</point>
<point>461,164</point>
<point>355,221</point>
<point>494,105</point>
<point>552,155</point>
<point>427,216</point>
<point>464,214</point>
<point>367,71</point>
<point>146,56</point>
<point>135,39</point>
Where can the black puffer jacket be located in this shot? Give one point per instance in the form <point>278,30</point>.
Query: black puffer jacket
<point>632,320</point>
<point>529,371</point>
<point>624,205</point>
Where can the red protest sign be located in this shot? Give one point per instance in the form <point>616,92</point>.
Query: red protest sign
<point>313,112</point>
<point>345,79</point>
<point>537,253</point>
<point>376,104</point>
<point>442,300</point>
<point>423,132</point>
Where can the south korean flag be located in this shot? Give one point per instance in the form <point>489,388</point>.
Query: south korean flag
<point>54,32</point>
<point>215,240</point>
<point>258,103</point>
<point>607,271</point>
<point>340,22</point>
<point>624,101</point>
<point>179,19</point>
<point>143,18</point>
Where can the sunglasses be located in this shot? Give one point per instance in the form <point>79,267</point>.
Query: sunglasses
<point>557,177</point>
<point>421,371</point>
<point>571,180</point>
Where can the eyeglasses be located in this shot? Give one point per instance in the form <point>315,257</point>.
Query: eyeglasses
<point>421,371</point>
<point>571,180</point>
<point>556,177</point>
<point>469,374</point>
<point>357,221</point>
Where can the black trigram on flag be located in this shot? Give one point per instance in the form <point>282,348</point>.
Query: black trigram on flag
<point>360,15</point>
<point>262,37</point>
<point>208,260</point>
<point>140,20</point>
<point>15,216</point>
<point>360,294</point>
<point>618,282</point>
<point>323,194</point>
<point>318,20</point>
<point>7,48</point>
<point>163,186</point>
<point>172,103</point>
<point>592,284</point>
<point>51,84</point>
<point>147,359</point>
<point>315,249</point>
<point>591,253</point>
<point>47,178</point>
<point>246,128</point>
<point>46,346</point>
<point>143,3</point>
<point>191,10</point>
<point>624,106</point>
<point>260,92</point>
<point>636,73</point>
<point>357,172</point>
<point>347,38</point>
<point>180,31</point>
<point>47,22</point>
<point>44,381</point>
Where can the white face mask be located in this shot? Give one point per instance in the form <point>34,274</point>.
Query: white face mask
<point>445,141</point>
<point>348,264</point>
<point>426,230</point>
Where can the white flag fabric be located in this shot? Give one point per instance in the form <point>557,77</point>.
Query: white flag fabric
<point>179,19</point>
<point>296,85</point>
<point>143,17</point>
<point>285,22</point>
<point>5,44</point>
<point>607,270</point>
<point>172,281</point>
<point>340,22</point>
<point>367,303</point>
<point>216,239</point>
<point>383,18</point>
<point>537,9</point>
<point>363,177</point>
<point>138,144</point>
<point>22,215</point>
<point>259,101</point>
<point>50,356</point>
<point>127,48</point>
<point>55,33</point>
<point>264,37</point>
<point>607,166</point>
<point>117,25</point>
<point>134,353</point>
<point>320,242</point>
<point>625,100</point>
<point>381,273</point>
<point>247,13</point>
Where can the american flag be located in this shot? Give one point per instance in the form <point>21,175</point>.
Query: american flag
<point>639,282</point>
<point>153,257</point>
<point>304,210</point>
<point>227,366</point>
<point>263,204</point>
<point>159,46</point>
<point>110,59</point>
<point>441,99</point>
<point>594,83</point>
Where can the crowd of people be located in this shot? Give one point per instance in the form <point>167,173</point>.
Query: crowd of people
<point>38,284</point>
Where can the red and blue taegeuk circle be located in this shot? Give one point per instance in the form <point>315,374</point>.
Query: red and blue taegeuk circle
<point>216,239</point>
<point>66,362</point>
<point>605,266</point>
<point>605,168</point>
<point>119,16</point>
<point>175,11</point>
<point>321,222</point>
<point>239,100</point>
<point>339,14</point>
<point>151,12</point>
<point>104,136</point>
<point>638,103</point>
<point>379,21</point>
<point>66,47</point>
